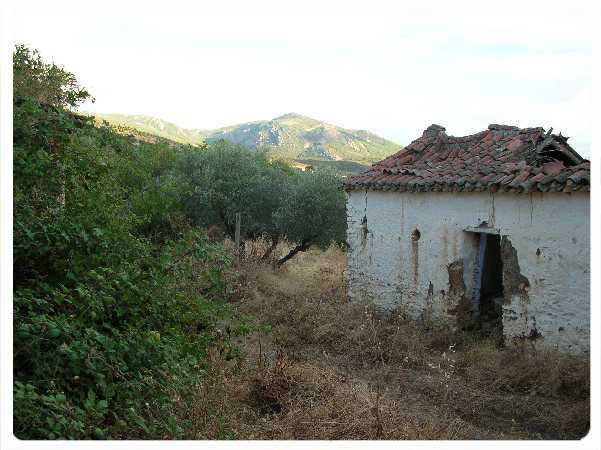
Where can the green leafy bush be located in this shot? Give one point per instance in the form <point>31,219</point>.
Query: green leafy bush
<point>46,83</point>
<point>117,296</point>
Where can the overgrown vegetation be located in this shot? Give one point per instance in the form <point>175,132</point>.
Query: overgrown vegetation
<point>330,369</point>
<point>117,295</point>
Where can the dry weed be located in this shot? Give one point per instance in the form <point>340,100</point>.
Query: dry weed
<point>312,402</point>
<point>331,369</point>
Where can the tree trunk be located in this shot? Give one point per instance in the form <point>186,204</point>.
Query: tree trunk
<point>303,246</point>
<point>229,228</point>
<point>270,250</point>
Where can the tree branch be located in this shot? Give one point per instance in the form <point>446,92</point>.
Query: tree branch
<point>303,246</point>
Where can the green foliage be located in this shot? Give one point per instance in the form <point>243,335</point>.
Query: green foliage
<point>116,296</point>
<point>313,209</point>
<point>227,179</point>
<point>342,167</point>
<point>47,83</point>
<point>274,200</point>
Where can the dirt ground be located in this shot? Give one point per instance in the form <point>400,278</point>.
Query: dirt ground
<point>322,368</point>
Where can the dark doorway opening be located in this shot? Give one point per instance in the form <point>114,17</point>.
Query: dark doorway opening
<point>490,301</point>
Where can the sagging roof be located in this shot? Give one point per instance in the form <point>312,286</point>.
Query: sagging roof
<point>502,158</point>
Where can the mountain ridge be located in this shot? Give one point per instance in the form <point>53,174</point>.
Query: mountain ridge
<point>290,136</point>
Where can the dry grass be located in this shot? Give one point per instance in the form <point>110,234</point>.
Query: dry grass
<point>330,369</point>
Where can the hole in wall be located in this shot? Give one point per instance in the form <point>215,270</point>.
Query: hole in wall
<point>487,283</point>
<point>364,229</point>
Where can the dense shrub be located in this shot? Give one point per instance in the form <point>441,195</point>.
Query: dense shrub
<point>116,295</point>
<point>46,83</point>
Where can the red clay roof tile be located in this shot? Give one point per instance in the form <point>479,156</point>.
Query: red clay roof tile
<point>500,158</point>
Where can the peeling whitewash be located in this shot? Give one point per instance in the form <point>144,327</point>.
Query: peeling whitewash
<point>396,266</point>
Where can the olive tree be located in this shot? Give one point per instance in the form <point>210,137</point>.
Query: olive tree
<point>226,179</point>
<point>312,211</point>
<point>274,200</point>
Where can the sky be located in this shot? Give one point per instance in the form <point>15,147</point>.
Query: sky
<point>383,66</point>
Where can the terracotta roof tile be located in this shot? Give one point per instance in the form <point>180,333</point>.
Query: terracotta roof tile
<point>502,158</point>
<point>552,168</point>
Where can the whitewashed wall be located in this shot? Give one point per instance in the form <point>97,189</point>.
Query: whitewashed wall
<point>550,233</point>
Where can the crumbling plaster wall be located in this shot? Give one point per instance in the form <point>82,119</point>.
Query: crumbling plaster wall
<point>547,235</point>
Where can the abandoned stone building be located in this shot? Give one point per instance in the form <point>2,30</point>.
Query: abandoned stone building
<point>465,230</point>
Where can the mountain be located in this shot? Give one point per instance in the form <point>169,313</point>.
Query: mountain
<point>291,137</point>
<point>152,125</point>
